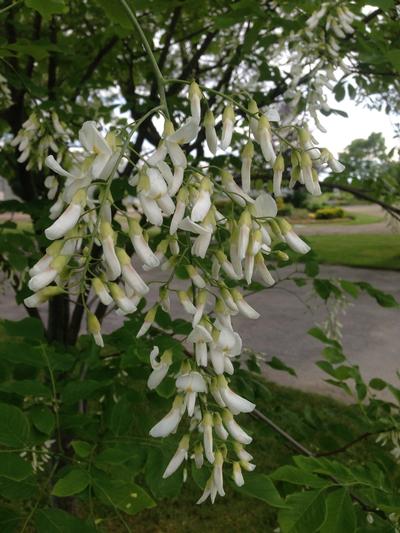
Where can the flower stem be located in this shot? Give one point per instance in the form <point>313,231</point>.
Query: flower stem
<point>153,61</point>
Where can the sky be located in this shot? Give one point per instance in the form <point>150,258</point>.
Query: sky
<point>359,125</point>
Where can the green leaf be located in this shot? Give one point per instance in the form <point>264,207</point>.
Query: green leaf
<point>81,448</point>
<point>42,419</point>
<point>294,475</point>
<point>47,7</point>
<point>320,335</point>
<point>121,417</point>
<point>333,354</point>
<point>29,327</point>
<point>58,521</point>
<point>304,512</point>
<point>26,387</point>
<point>126,496</point>
<point>377,384</point>
<point>116,13</point>
<point>383,4</point>
<point>81,390</point>
<point>73,483</point>
<point>384,299</point>
<point>9,520</point>
<point>13,467</point>
<point>261,487</point>
<point>14,426</point>
<point>278,364</point>
<point>157,461</point>
<point>340,514</point>
<point>349,287</point>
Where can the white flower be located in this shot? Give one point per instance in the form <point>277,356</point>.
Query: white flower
<point>279,167</point>
<point>219,427</point>
<point>151,209</point>
<point>201,206</point>
<point>187,302</point>
<point>195,276</point>
<point>140,245</point>
<point>236,193</point>
<point>242,454</point>
<point>234,429</point>
<point>247,157</point>
<point>235,403</point>
<point>179,212</point>
<point>198,455</point>
<point>228,118</point>
<point>195,96</point>
<point>101,291</point>
<point>170,422</point>
<point>244,233</point>
<point>45,277</point>
<point>148,321</point>
<point>202,242</point>
<point>110,257</point>
<point>42,296</point>
<point>191,384</point>
<point>211,135</point>
<point>125,304</point>
<point>57,168</point>
<point>237,474</point>
<point>94,328</point>
<point>69,218</point>
<point>207,424</point>
<point>180,455</point>
<point>92,140</point>
<point>201,301</point>
<point>160,368</point>
<point>263,270</point>
<point>243,306</point>
<point>265,139</point>
<point>265,206</point>
<point>176,180</point>
<point>186,133</point>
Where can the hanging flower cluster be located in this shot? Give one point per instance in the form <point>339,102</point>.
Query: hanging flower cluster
<point>211,226</point>
<point>316,50</point>
<point>36,140</point>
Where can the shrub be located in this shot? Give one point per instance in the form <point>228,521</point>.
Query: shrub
<point>329,212</point>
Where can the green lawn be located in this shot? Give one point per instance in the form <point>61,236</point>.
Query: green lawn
<point>369,251</point>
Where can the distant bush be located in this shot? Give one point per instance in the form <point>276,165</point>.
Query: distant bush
<point>284,208</point>
<point>329,212</point>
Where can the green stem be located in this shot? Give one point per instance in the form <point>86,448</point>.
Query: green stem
<point>153,61</point>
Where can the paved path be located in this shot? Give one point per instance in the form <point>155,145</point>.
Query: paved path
<point>370,332</point>
<point>330,229</point>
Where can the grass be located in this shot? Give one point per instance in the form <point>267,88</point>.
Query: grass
<point>300,216</point>
<point>312,419</point>
<point>364,250</point>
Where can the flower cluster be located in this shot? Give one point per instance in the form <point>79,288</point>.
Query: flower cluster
<point>212,227</point>
<point>316,51</point>
<point>36,140</point>
<point>5,93</point>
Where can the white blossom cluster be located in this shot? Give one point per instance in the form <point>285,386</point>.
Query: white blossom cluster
<point>317,50</point>
<point>41,134</point>
<point>219,251</point>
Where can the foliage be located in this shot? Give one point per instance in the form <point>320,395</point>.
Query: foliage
<point>74,419</point>
<point>325,213</point>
